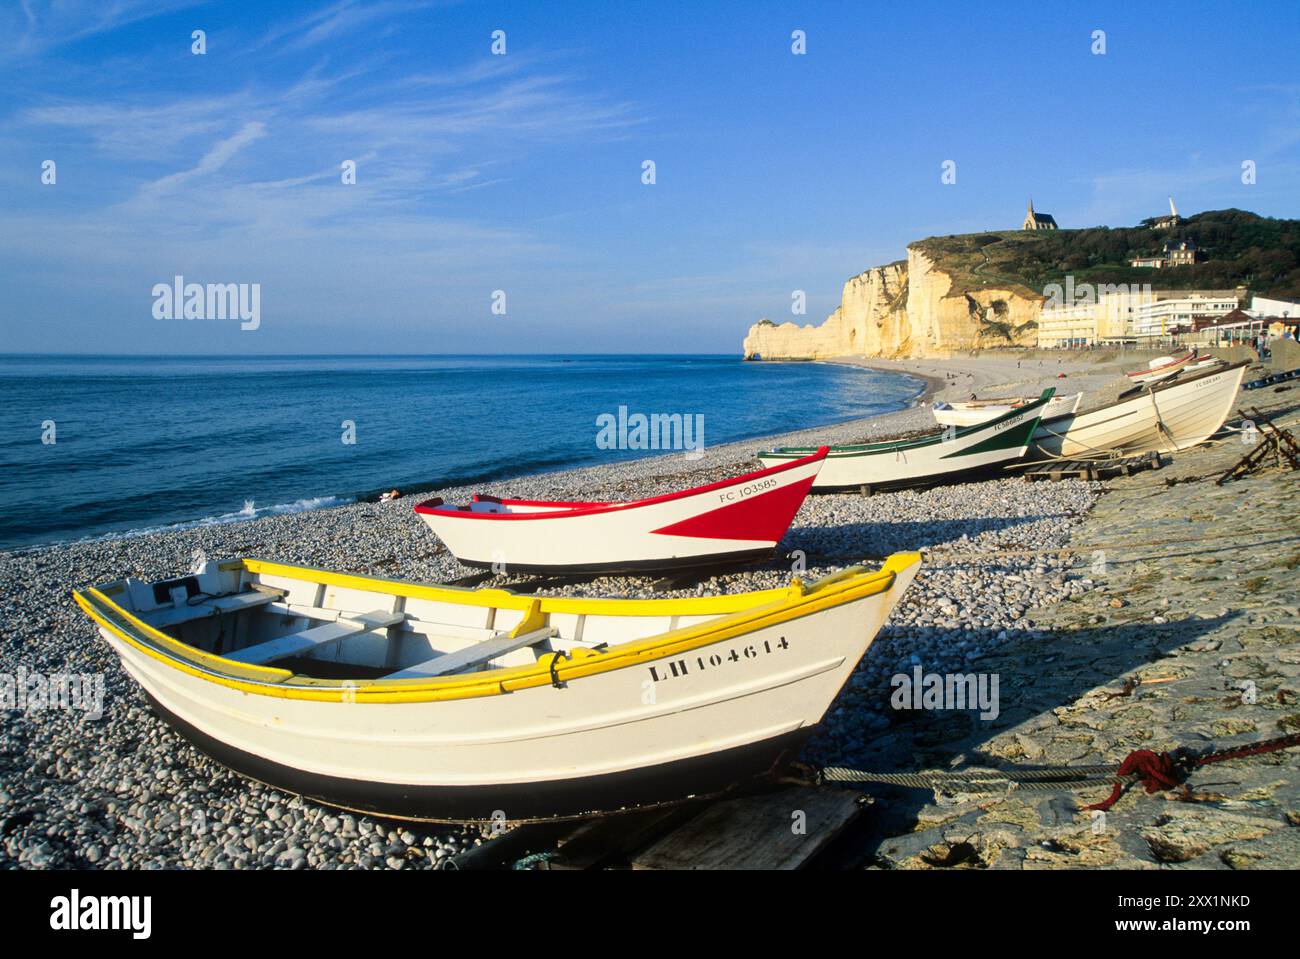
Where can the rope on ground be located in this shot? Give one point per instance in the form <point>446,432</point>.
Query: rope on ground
<point>1159,771</point>
<point>978,780</point>
<point>1156,771</point>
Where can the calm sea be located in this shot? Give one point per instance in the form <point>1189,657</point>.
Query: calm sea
<point>143,443</point>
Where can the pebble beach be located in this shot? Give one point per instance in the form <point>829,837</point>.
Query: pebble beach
<point>1011,585</point>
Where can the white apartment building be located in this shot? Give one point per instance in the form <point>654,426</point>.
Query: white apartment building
<point>1263,306</point>
<point>1108,321</point>
<point>1141,317</point>
<point>1170,313</point>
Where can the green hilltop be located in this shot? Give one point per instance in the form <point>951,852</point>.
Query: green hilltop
<point>1238,248</point>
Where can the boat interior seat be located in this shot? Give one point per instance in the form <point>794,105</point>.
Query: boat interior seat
<point>185,610</point>
<point>475,654</point>
<point>296,644</point>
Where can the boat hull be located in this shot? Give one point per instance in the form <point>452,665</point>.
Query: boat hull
<point>972,414</point>
<point>735,521</point>
<point>1165,417</point>
<point>968,453</point>
<point>667,724</point>
<point>667,783</point>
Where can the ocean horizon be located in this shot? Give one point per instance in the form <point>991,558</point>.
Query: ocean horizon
<point>112,445</point>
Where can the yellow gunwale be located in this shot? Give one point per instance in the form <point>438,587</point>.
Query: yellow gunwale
<point>739,614</point>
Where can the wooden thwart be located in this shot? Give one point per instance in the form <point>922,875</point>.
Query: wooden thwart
<point>474,655</point>
<point>212,607</point>
<point>297,643</point>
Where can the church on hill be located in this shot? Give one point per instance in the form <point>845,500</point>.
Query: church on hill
<point>1038,221</point>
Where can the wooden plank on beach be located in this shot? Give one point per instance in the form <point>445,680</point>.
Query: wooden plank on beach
<point>1094,469</point>
<point>777,830</point>
<point>611,840</point>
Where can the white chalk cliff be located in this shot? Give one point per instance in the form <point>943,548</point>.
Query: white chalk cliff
<point>905,309</point>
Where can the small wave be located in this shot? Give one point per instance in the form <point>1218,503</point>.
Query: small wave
<point>249,511</point>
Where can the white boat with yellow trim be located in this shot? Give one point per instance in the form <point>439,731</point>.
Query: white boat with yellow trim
<point>459,705</point>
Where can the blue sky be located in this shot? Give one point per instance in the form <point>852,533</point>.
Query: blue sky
<point>522,172</point>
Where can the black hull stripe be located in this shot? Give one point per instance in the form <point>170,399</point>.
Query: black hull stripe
<point>519,802</point>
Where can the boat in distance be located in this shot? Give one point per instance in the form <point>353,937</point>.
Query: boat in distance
<point>950,453</point>
<point>445,704</point>
<point>1167,416</point>
<point>736,520</point>
<point>1161,367</point>
<point>972,412</point>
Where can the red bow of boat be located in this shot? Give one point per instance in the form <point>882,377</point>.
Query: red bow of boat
<point>731,520</point>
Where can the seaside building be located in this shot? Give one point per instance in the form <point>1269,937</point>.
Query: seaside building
<point>1267,319</point>
<point>1235,327</point>
<point>1106,322</point>
<point>1264,306</point>
<point>1038,221</point>
<point>1141,317</point>
<point>1171,314</point>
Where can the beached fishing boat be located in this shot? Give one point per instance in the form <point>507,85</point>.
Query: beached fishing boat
<point>950,453</point>
<point>1160,368</point>
<point>973,412</point>
<point>731,521</point>
<point>1194,365</point>
<point>1166,416</point>
<point>1204,363</point>
<point>459,705</point>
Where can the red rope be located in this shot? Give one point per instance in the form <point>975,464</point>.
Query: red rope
<point>1156,770</point>
<point>1159,771</point>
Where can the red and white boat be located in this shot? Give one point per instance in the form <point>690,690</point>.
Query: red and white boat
<point>1161,368</point>
<point>735,520</point>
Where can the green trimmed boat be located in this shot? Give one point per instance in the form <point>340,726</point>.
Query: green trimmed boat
<point>942,456</point>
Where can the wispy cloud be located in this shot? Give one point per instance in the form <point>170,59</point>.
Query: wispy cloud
<point>213,160</point>
<point>1209,175</point>
<point>239,176</point>
<point>334,22</point>
<point>35,27</point>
